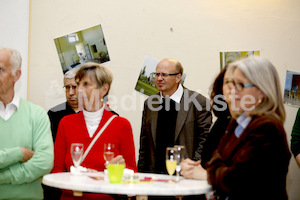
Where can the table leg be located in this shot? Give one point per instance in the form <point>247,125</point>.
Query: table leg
<point>77,193</point>
<point>141,197</point>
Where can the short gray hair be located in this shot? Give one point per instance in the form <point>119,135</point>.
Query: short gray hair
<point>262,73</point>
<point>15,58</point>
<point>71,73</point>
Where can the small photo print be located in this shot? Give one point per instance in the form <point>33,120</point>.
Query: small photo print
<point>75,49</point>
<point>231,56</point>
<point>291,95</point>
<point>146,80</point>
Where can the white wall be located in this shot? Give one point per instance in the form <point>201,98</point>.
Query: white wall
<point>14,21</point>
<point>191,31</point>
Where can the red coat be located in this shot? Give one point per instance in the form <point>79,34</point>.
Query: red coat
<point>72,129</point>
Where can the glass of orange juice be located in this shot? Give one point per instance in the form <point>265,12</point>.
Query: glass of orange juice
<point>171,161</point>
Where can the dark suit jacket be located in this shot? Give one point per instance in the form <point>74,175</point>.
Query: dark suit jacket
<point>192,125</point>
<point>56,114</point>
<point>253,166</point>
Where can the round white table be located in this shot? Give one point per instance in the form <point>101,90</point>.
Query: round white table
<point>158,187</point>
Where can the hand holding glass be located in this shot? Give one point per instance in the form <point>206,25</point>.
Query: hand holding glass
<point>76,153</point>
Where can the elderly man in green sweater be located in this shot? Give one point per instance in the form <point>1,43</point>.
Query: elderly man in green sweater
<point>26,147</point>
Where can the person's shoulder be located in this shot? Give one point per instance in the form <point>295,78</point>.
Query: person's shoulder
<point>58,107</point>
<point>112,111</point>
<point>266,118</point>
<point>153,97</point>
<point>190,94</point>
<point>24,104</point>
<point>121,120</point>
<point>72,117</point>
<point>32,111</point>
<point>269,121</point>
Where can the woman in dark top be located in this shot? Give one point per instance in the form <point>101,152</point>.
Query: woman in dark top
<point>221,101</point>
<point>219,95</point>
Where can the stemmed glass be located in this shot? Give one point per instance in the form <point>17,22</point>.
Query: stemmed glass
<point>171,161</point>
<point>108,152</point>
<point>76,153</point>
<point>179,158</point>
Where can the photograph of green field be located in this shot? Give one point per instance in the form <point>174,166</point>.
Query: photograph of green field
<point>146,82</point>
<point>145,88</point>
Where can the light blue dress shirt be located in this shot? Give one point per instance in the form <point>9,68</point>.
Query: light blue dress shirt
<point>243,122</point>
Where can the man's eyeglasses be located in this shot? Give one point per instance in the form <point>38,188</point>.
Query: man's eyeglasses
<point>163,75</point>
<point>239,86</point>
<point>68,87</point>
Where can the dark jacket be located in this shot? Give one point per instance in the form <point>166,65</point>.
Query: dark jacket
<point>253,166</point>
<point>295,141</point>
<point>215,134</point>
<point>56,114</point>
<point>192,126</point>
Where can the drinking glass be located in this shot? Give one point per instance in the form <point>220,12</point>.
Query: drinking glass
<point>179,157</point>
<point>171,161</point>
<point>108,152</point>
<point>76,153</point>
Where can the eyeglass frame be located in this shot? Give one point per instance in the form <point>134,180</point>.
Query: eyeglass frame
<point>163,75</point>
<point>240,86</point>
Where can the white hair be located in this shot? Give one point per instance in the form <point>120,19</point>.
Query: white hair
<point>261,72</point>
<point>71,73</point>
<point>15,59</point>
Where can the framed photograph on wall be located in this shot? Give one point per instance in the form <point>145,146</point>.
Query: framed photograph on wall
<point>146,80</point>
<point>75,49</point>
<point>291,94</point>
<point>231,56</point>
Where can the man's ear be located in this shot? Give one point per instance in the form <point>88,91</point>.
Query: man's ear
<point>178,78</point>
<point>17,75</point>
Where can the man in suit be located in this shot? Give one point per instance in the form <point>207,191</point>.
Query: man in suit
<point>174,116</point>
<point>69,107</point>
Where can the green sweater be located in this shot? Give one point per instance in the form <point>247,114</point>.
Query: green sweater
<point>295,141</point>
<point>28,127</point>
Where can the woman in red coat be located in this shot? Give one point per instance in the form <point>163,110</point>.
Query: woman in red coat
<point>93,82</point>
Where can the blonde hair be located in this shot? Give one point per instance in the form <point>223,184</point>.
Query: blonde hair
<point>96,71</point>
<point>261,72</point>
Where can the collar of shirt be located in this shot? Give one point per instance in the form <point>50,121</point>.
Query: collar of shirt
<point>92,119</point>
<point>243,122</point>
<point>8,111</point>
<point>177,94</point>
